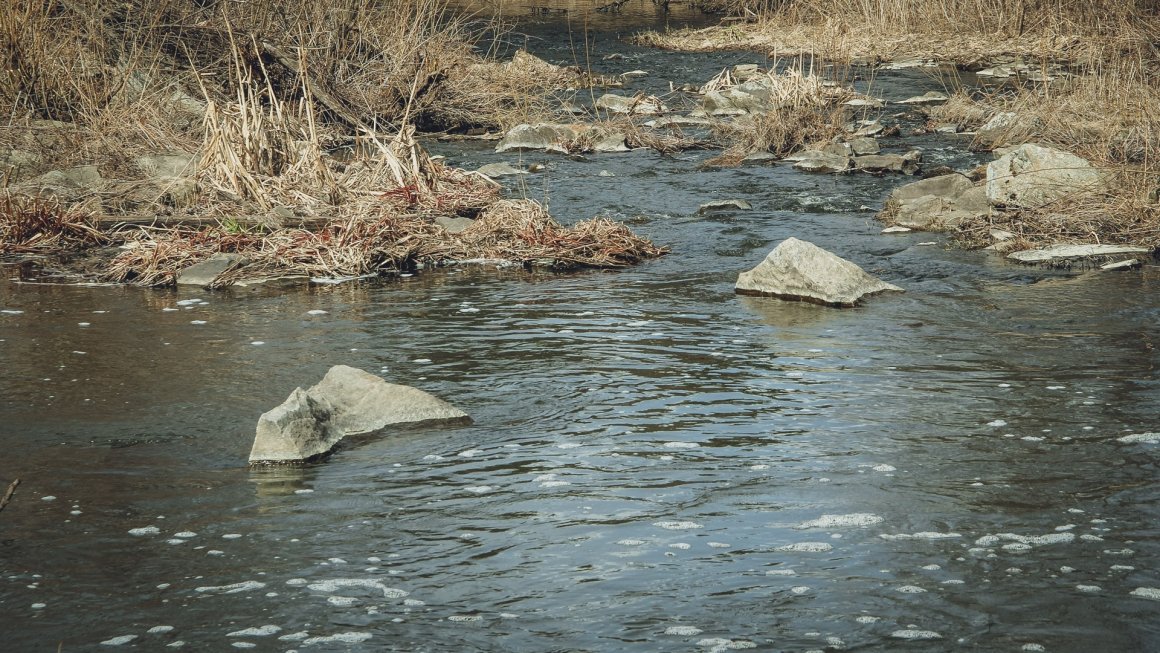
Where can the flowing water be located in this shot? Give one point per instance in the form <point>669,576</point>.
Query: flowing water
<point>656,464</point>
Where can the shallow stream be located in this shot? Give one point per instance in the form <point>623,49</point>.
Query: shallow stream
<point>656,464</point>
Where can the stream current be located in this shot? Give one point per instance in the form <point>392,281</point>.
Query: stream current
<point>655,464</point>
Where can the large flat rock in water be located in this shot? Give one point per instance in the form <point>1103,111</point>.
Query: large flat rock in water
<point>348,401</point>
<point>1070,252</point>
<point>800,271</point>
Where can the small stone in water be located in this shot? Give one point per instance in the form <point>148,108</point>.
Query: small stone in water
<point>145,530</point>
<point>117,641</point>
<point>262,631</point>
<point>158,630</point>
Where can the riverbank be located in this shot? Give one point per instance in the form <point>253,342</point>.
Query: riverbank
<point>262,136</point>
<point>1077,78</point>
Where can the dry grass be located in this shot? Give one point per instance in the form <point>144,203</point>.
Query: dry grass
<point>516,231</point>
<point>42,225</point>
<point>804,110</point>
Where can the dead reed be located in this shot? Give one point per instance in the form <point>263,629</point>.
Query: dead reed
<point>42,225</point>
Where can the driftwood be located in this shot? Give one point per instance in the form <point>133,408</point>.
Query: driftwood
<point>8,494</point>
<point>319,90</point>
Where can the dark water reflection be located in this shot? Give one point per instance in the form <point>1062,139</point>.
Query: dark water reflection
<point>646,446</point>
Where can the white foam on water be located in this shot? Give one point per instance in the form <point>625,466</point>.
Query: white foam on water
<point>997,423</point>
<point>145,530</point>
<point>176,541</point>
<point>478,489</point>
<point>799,589</point>
<point>84,324</point>
<point>1121,568</point>
<point>1144,438</point>
<point>953,581</point>
<point>988,540</point>
<point>243,644</point>
<point>568,445</point>
<point>1090,589</point>
<point>215,552</point>
<point>176,644</point>
<point>185,534</point>
<point>1147,593</point>
<point>932,567</point>
<point>421,360</point>
<point>338,638</point>
<point>48,497</point>
<point>682,445</point>
<point>544,477</point>
<point>1016,547</point>
<point>1032,438</point>
<point>198,322</point>
<point>11,311</point>
<point>75,512</point>
<point>1004,385</point>
<point>1033,647</point>
<point>159,630</point>
<point>683,546</point>
<point>915,634</point>
<point>297,582</point>
<point>336,561</point>
<point>470,453</point>
<point>163,586</point>
<point>867,619</point>
<point>1066,570</point>
<point>683,631</point>
<point>678,525</point>
<point>260,631</point>
<point>719,545</point>
<point>924,535</point>
<point>781,572</point>
<point>294,637</point>
<point>119,640</point>
<point>38,606</point>
<point>1056,387</point>
<point>189,302</point>
<point>1013,570</point>
<point>233,588</point>
<point>858,519</point>
<point>631,542</point>
<point>758,468</point>
<point>170,309</point>
<point>316,311</point>
<point>335,584</point>
<point>465,618</point>
<point>1088,537</point>
<point>413,603</point>
<point>1065,527</point>
<point>341,601</point>
<point>807,547</point>
<point>910,589</point>
<point>884,468</point>
<point>551,484</point>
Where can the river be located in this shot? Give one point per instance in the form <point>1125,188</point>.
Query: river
<point>655,464</point>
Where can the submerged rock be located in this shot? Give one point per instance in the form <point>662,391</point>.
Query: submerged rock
<point>724,205</point>
<point>1031,176</point>
<point>347,401</point>
<point>800,271</point>
<point>205,272</point>
<point>819,161</point>
<point>493,170</point>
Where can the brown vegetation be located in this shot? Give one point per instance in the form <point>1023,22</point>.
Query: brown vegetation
<point>283,109</point>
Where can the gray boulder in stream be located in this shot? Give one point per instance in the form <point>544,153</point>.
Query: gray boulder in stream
<point>346,402</point>
<point>800,271</point>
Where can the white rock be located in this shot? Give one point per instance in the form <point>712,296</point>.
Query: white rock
<point>800,271</point>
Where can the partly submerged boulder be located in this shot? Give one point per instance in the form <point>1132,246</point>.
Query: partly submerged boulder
<point>936,203</point>
<point>1031,176</point>
<point>800,271</point>
<point>348,401</point>
<point>541,136</point>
